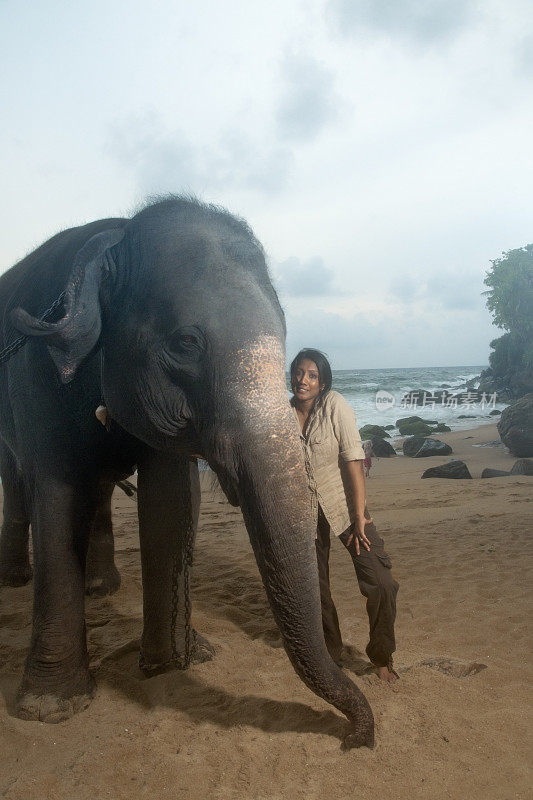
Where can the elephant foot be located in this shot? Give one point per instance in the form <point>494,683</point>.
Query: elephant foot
<point>18,575</point>
<point>52,708</point>
<point>102,584</point>
<point>201,651</point>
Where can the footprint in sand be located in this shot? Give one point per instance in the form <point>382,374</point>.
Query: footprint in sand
<point>451,666</point>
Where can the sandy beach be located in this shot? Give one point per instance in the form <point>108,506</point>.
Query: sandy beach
<point>244,726</point>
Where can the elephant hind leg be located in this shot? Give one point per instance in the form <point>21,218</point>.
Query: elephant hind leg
<point>101,575</point>
<point>15,567</point>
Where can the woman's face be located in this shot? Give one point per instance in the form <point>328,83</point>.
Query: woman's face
<point>305,380</point>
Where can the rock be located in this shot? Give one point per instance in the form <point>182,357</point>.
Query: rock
<point>382,448</point>
<point>412,445</point>
<point>494,413</point>
<point>467,416</point>
<point>433,447</point>
<point>368,431</point>
<point>453,469</point>
<point>516,427</point>
<point>414,429</point>
<point>522,467</point>
<point>493,473</point>
<point>388,427</point>
<point>422,447</point>
<point>441,428</point>
<point>403,420</point>
<point>445,386</point>
<point>514,384</point>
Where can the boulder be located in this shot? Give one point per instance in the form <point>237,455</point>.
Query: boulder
<point>522,467</point>
<point>368,431</point>
<point>414,429</point>
<point>412,445</point>
<point>445,386</point>
<point>493,473</point>
<point>452,469</point>
<point>433,447</point>
<point>516,427</point>
<point>494,413</point>
<point>382,448</point>
<point>403,420</point>
<point>514,384</point>
<point>422,447</point>
<point>441,428</point>
<point>388,427</point>
<point>467,416</point>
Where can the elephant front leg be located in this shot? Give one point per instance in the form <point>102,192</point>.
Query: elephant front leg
<point>56,681</point>
<point>102,577</point>
<point>15,568</point>
<point>169,498</point>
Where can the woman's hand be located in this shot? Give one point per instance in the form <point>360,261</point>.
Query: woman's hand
<point>358,532</point>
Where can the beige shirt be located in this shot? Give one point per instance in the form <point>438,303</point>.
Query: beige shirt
<point>331,437</point>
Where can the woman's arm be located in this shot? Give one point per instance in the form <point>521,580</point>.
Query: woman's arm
<point>355,476</point>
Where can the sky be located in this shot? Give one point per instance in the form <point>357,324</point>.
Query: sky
<point>381,151</point>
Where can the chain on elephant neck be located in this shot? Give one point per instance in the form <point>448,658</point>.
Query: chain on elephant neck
<point>9,351</point>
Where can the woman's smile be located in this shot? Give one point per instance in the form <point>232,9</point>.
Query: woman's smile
<point>305,381</point>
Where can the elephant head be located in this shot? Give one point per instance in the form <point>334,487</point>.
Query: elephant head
<point>192,334</point>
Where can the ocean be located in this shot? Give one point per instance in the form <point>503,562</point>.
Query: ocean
<point>360,387</point>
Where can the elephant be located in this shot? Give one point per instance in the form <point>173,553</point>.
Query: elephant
<point>170,320</point>
<point>101,575</point>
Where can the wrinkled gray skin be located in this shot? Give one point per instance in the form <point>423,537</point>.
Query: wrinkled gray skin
<point>101,574</point>
<point>171,319</point>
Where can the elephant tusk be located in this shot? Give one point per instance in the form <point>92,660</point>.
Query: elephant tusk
<point>101,415</point>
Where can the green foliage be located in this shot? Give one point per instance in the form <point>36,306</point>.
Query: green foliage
<point>510,296</point>
<point>508,352</point>
<point>527,358</point>
<point>510,300</point>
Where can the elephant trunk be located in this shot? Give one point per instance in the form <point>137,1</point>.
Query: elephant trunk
<point>276,505</point>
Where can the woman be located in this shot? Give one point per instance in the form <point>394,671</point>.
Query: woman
<point>334,462</point>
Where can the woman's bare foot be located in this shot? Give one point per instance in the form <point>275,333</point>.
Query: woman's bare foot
<point>386,674</point>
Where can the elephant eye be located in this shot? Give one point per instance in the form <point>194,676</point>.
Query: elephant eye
<point>187,343</point>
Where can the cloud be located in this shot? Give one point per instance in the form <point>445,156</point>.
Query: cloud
<point>404,289</point>
<point>311,278</point>
<point>524,55</point>
<point>308,102</point>
<point>451,290</point>
<point>390,339</point>
<point>423,21</point>
<point>171,161</point>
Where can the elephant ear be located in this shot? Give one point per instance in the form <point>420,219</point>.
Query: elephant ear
<point>73,337</point>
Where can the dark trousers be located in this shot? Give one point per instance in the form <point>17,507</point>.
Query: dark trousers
<point>373,570</point>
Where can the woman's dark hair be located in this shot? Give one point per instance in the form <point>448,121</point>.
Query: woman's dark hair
<point>322,364</point>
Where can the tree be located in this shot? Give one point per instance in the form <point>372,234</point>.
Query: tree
<point>510,297</point>
<point>510,300</point>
